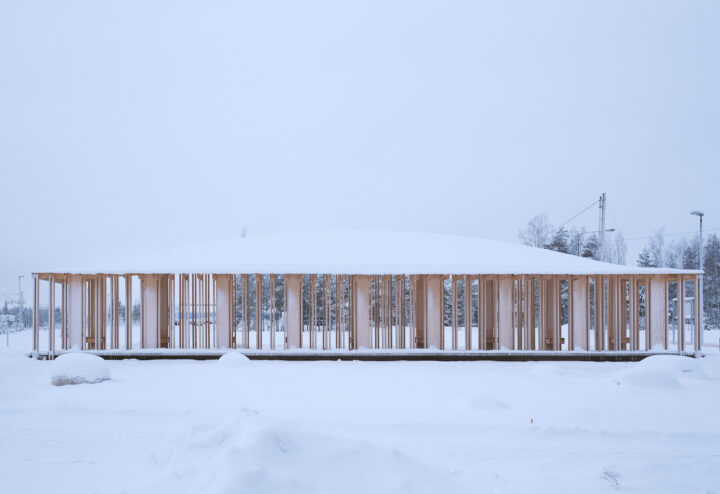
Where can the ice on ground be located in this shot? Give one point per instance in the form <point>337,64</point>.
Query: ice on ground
<point>251,453</point>
<point>660,371</point>
<point>233,359</point>
<point>78,368</point>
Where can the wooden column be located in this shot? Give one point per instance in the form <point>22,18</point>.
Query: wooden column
<point>634,313</point>
<point>36,313</point>
<point>245,302</point>
<point>115,283</point>
<point>468,312</point>
<point>293,290</point>
<point>698,302</point>
<point>579,313</point>
<point>258,311</point>
<point>223,310</point>
<point>163,313</point>
<point>550,305</point>
<point>528,302</point>
<point>599,283</point>
<point>65,337</point>
<point>420,311</point>
<point>51,316</point>
<point>360,311</point>
<point>453,311</point>
<point>482,316</point>
<point>613,313</point>
<point>505,313</point>
<point>681,313</point>
<point>400,311</point>
<point>339,303</point>
<point>128,311</point>
<point>433,313</point>
<point>657,321</point>
<point>75,315</point>
<point>271,309</point>
<point>149,284</point>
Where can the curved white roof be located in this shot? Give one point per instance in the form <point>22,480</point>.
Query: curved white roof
<point>360,252</point>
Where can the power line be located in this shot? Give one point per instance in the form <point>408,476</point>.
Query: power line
<point>581,212</point>
<point>673,234</point>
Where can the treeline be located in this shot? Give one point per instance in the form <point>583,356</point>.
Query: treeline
<point>44,314</point>
<point>539,232</point>
<point>685,254</point>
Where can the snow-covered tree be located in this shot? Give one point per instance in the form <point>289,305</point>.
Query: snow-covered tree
<point>711,282</point>
<point>656,248</point>
<point>537,232</point>
<point>645,259</point>
<point>591,247</point>
<point>559,241</point>
<point>619,251</point>
<point>576,242</point>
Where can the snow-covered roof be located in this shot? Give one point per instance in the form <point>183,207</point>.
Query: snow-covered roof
<point>361,252</point>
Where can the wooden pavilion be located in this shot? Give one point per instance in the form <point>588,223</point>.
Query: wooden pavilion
<point>367,293</point>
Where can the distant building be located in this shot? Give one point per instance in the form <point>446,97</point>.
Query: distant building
<point>349,291</point>
<point>7,320</point>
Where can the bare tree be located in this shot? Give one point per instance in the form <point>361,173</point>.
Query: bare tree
<point>619,249</point>
<point>538,231</point>
<point>657,248</point>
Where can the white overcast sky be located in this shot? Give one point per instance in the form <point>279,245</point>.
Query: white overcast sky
<point>140,124</point>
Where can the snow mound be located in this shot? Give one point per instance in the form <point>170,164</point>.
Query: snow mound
<point>691,367</point>
<point>251,454</point>
<point>233,359</point>
<point>484,403</point>
<point>711,366</point>
<point>78,368</point>
<point>660,371</point>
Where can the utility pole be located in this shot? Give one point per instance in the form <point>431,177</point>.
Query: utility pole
<point>602,226</point>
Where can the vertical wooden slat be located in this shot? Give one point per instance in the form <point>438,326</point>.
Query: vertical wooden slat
<point>468,312</point>
<point>36,314</point>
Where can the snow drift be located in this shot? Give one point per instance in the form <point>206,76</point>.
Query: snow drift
<point>660,371</point>
<point>233,359</point>
<point>249,453</point>
<point>78,368</point>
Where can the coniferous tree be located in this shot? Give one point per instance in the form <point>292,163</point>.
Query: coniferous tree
<point>644,259</point>
<point>591,247</point>
<point>711,282</point>
<point>559,241</point>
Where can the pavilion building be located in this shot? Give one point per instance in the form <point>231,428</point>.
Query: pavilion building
<point>337,293</point>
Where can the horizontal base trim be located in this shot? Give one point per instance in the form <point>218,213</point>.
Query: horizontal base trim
<point>376,355</point>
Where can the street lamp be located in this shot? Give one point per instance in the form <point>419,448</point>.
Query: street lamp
<point>699,293</point>
<point>700,214</point>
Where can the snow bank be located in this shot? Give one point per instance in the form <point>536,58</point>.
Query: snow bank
<point>251,454</point>
<point>78,368</point>
<point>660,371</point>
<point>711,366</point>
<point>485,403</point>
<point>233,359</point>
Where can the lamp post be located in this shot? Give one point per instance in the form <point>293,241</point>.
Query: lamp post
<point>700,215</point>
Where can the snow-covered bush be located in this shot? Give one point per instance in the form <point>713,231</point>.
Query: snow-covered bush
<point>78,368</point>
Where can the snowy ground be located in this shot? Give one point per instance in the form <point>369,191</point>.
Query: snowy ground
<point>314,427</point>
